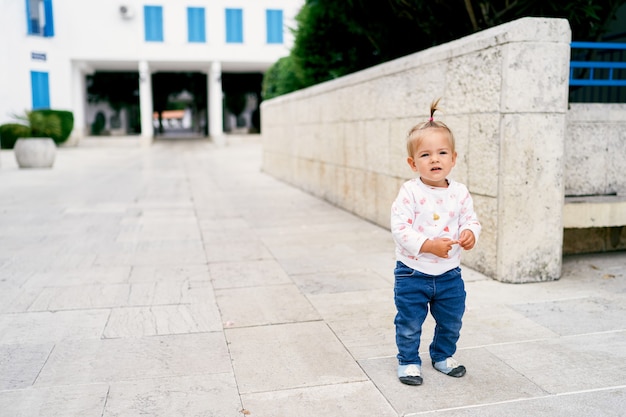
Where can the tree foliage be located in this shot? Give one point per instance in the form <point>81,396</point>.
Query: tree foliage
<point>335,38</point>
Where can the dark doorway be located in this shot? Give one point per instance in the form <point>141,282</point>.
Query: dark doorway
<point>242,98</point>
<point>113,103</point>
<point>180,104</point>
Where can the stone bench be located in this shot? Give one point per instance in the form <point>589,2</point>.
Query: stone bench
<point>594,211</point>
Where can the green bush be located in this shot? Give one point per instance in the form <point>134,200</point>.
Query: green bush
<point>11,132</point>
<point>281,78</point>
<point>56,124</point>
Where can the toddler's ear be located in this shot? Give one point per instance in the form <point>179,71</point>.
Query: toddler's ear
<point>411,163</point>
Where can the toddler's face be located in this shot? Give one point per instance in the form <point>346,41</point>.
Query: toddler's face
<point>433,157</point>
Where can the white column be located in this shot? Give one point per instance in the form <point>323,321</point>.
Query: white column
<point>145,103</point>
<point>214,84</point>
<point>79,103</point>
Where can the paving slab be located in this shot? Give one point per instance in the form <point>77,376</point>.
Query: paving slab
<point>247,274</point>
<point>47,326</point>
<point>62,401</point>
<point>255,306</point>
<point>20,364</point>
<point>279,357</point>
<point>179,279</point>
<point>337,400</point>
<point>199,395</point>
<point>108,360</point>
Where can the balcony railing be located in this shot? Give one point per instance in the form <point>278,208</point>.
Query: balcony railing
<point>598,72</point>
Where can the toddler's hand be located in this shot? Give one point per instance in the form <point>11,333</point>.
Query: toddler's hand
<point>439,246</point>
<point>467,240</point>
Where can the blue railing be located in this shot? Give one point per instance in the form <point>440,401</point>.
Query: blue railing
<point>601,72</point>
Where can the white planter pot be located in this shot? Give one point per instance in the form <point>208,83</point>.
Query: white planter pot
<point>35,152</point>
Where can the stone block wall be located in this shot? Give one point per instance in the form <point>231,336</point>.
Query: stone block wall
<point>504,95</point>
<point>596,140</point>
<point>595,167</point>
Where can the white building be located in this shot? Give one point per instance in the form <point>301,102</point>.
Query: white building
<point>49,48</point>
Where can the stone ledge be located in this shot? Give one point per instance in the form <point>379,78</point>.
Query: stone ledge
<point>594,211</point>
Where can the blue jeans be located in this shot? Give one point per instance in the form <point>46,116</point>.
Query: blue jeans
<point>413,293</point>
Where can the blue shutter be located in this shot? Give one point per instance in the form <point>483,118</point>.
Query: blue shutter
<point>32,17</point>
<point>274,22</point>
<point>234,26</point>
<point>196,31</point>
<point>31,24</point>
<point>153,23</point>
<point>48,29</point>
<point>40,90</point>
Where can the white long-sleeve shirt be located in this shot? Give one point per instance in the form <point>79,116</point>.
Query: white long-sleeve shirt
<point>421,212</point>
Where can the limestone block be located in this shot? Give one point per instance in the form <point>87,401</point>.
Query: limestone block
<point>360,184</point>
<point>329,109</point>
<point>596,137</point>
<point>387,190</point>
<point>398,130</point>
<point>474,82</point>
<point>484,256</point>
<point>530,198</point>
<point>419,87</point>
<point>459,125</point>
<point>535,77</point>
<point>307,174</point>
<point>354,145</point>
<point>331,143</point>
<point>597,112</point>
<point>328,182</point>
<point>306,111</point>
<point>616,159</point>
<point>483,154</point>
<point>585,159</point>
<point>530,29</point>
<point>305,142</point>
<point>342,196</point>
<point>352,193</point>
<point>376,144</point>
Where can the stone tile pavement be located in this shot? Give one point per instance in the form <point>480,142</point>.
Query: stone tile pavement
<point>180,280</point>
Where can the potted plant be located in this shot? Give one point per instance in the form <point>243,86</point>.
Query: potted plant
<point>34,143</point>
<point>38,150</point>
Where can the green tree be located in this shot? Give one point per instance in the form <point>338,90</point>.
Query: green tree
<point>281,78</point>
<point>335,38</point>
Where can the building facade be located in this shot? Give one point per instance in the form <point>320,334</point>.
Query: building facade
<point>51,48</point>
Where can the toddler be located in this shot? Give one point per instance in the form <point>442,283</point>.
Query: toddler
<point>432,219</point>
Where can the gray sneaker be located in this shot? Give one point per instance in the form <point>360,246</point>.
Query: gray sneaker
<point>410,374</point>
<point>450,367</point>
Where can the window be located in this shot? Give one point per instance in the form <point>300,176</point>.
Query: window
<point>234,26</point>
<point>40,90</point>
<point>195,24</point>
<point>39,15</point>
<point>153,22</point>
<point>274,21</point>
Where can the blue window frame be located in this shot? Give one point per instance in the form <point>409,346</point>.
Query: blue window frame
<point>234,26</point>
<point>153,23</point>
<point>196,28</point>
<point>40,20</point>
<point>274,22</point>
<point>40,90</point>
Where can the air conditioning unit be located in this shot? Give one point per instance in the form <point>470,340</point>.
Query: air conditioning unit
<point>127,11</point>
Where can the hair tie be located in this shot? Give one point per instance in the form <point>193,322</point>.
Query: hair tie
<point>431,119</point>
